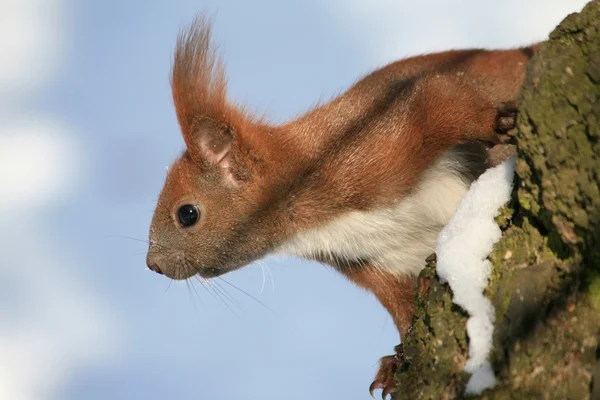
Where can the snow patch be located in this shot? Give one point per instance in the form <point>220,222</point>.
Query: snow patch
<point>462,250</point>
<point>53,326</point>
<point>31,44</point>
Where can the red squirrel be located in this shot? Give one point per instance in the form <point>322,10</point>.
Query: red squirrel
<point>364,182</point>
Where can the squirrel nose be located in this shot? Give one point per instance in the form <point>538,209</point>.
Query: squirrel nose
<point>152,262</point>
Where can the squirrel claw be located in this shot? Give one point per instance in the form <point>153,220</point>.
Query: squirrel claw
<point>506,120</point>
<point>385,375</point>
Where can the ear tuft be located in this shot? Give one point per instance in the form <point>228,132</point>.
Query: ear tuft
<point>208,121</point>
<point>198,80</point>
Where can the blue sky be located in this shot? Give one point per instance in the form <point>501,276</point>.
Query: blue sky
<point>86,130</point>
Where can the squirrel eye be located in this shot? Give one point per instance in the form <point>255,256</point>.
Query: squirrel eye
<point>188,215</point>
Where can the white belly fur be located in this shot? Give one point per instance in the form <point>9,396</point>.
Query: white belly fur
<point>396,239</point>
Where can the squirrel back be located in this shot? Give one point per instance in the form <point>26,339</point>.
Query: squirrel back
<point>363,182</point>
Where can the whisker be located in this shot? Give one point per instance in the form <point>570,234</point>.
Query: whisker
<point>216,285</point>
<point>249,295</point>
<point>223,294</point>
<point>205,288</point>
<point>218,296</point>
<point>262,268</point>
<point>271,275</point>
<point>204,283</point>
<point>191,284</point>
<point>217,291</point>
<point>126,237</point>
<point>383,327</point>
<point>139,240</point>
<point>192,300</point>
<point>169,286</point>
<point>187,263</point>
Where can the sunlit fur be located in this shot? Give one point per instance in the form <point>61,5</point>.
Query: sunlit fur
<point>395,239</point>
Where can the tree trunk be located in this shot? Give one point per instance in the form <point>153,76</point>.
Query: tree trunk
<point>545,284</point>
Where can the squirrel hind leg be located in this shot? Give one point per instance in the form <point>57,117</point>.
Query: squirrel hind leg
<point>384,379</point>
<point>388,366</point>
<point>397,295</point>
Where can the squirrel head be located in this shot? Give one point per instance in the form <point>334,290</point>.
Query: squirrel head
<point>208,218</point>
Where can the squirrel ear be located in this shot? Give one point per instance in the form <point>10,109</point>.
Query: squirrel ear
<point>210,140</point>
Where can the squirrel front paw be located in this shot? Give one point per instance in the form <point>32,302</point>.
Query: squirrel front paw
<point>506,121</point>
<point>388,366</point>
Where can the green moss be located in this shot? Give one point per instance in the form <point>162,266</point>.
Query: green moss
<point>504,217</point>
<point>525,200</point>
<point>436,348</point>
<point>545,281</point>
<point>581,219</point>
<point>519,246</point>
<point>593,289</point>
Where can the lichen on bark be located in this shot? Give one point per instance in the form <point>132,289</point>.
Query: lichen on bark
<point>545,284</point>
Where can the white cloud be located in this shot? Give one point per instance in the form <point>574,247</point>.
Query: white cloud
<point>52,324</point>
<point>38,163</point>
<point>31,45</point>
<point>391,29</point>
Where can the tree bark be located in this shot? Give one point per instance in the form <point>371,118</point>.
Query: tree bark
<point>545,284</point>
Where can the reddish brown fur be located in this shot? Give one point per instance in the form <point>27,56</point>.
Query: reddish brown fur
<point>363,150</point>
